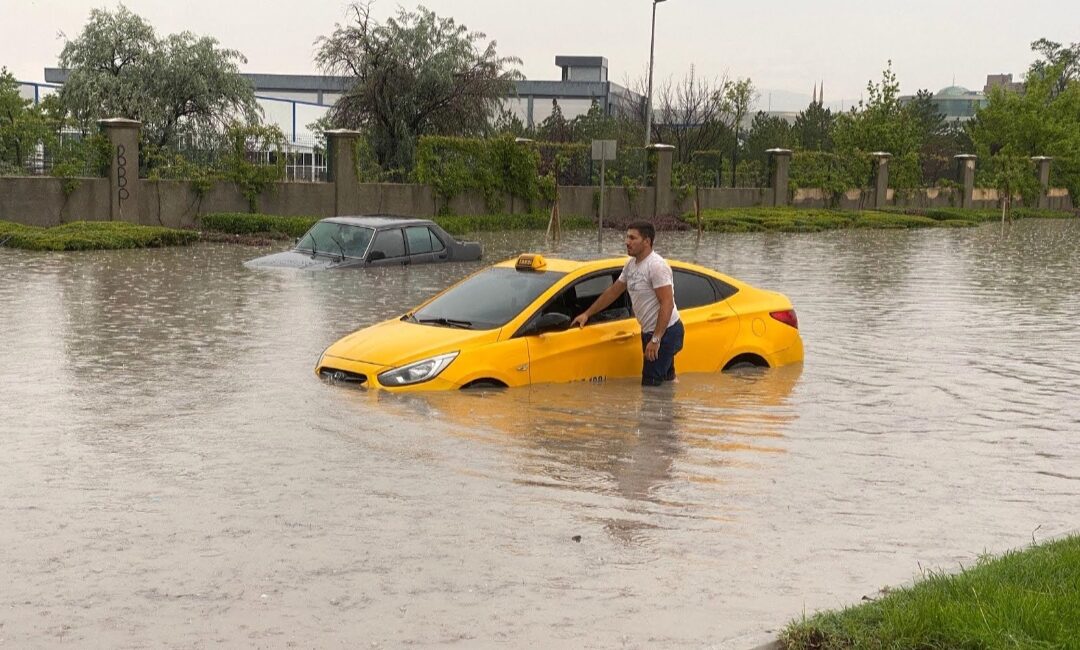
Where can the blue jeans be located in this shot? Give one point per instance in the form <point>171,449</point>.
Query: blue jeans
<point>654,373</point>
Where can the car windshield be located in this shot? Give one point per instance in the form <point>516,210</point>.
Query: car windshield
<point>339,239</point>
<point>487,300</point>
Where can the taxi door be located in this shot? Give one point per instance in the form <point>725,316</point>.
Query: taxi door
<point>710,324</point>
<point>593,353</point>
<point>609,346</point>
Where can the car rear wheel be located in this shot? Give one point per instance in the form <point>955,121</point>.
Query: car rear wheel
<point>746,361</point>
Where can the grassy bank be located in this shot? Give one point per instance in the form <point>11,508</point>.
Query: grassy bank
<point>91,235</point>
<point>815,220</point>
<point>291,227</point>
<point>1024,599</point>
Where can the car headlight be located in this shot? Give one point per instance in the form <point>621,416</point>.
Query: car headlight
<point>416,372</point>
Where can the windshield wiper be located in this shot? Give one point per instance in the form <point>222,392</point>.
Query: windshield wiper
<point>447,322</point>
<point>313,250</point>
<point>340,247</point>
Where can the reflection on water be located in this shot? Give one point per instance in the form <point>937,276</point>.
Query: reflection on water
<point>169,455</point>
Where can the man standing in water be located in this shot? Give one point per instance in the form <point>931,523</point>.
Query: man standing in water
<point>652,293</point>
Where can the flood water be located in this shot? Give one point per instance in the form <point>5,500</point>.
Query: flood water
<point>174,475</point>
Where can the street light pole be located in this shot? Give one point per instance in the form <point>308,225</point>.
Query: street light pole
<point>648,99</point>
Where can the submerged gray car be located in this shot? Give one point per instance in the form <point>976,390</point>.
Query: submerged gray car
<point>345,242</point>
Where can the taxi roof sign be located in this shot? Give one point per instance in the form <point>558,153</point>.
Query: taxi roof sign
<point>530,262</point>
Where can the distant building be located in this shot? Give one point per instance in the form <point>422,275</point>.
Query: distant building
<point>1002,80</point>
<point>584,80</point>
<point>956,103</point>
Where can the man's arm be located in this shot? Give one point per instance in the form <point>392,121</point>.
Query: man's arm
<point>601,303</point>
<point>666,296</point>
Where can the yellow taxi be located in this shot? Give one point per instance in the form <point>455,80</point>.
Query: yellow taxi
<point>509,325</point>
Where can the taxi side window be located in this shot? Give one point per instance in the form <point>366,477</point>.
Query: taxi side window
<point>579,296</point>
<point>422,240</point>
<point>387,244</point>
<point>693,290</point>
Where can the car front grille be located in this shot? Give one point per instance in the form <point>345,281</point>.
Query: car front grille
<point>343,376</point>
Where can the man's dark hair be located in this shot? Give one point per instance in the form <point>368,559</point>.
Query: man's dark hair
<point>645,229</point>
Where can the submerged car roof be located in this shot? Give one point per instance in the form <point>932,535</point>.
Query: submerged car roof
<point>380,221</point>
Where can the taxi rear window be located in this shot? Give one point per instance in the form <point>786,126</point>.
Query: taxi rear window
<point>490,298</point>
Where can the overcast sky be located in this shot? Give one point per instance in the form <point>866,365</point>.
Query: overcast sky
<point>784,46</point>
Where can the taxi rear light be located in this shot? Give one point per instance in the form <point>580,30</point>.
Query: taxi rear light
<point>787,317</point>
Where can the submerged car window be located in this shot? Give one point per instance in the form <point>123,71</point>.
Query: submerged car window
<point>488,299</point>
<point>422,240</point>
<point>336,239</point>
<point>388,243</point>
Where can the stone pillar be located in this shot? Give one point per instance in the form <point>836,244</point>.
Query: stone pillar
<point>1043,164</point>
<point>664,153</point>
<point>341,170</point>
<point>965,165</point>
<point>123,136</point>
<point>779,162</point>
<point>881,178</point>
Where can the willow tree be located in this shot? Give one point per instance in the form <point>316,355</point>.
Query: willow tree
<point>415,74</point>
<point>119,67</point>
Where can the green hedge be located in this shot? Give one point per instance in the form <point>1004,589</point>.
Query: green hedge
<point>811,220</point>
<point>816,220</point>
<point>243,223</point>
<point>490,166</point>
<point>92,235</point>
<point>979,215</point>
<point>833,173</point>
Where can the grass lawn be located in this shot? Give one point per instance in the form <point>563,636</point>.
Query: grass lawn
<point>818,219</point>
<point>91,235</point>
<point>1023,599</point>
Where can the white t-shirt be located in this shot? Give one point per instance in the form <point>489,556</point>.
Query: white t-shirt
<point>642,280</point>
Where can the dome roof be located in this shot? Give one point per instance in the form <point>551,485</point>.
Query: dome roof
<point>953,91</point>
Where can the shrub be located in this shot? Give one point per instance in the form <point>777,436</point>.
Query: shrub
<point>490,166</point>
<point>238,223</point>
<point>92,235</point>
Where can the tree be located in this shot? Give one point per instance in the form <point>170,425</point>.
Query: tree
<point>879,124</point>
<point>939,140</point>
<point>1044,120</point>
<point>1060,65</point>
<point>22,126</point>
<point>739,97</point>
<point>118,67</point>
<point>813,128</point>
<point>768,132</point>
<point>417,74</point>
<point>692,115</point>
<point>555,127</point>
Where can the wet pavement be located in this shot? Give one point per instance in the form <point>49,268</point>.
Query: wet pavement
<point>173,474</point>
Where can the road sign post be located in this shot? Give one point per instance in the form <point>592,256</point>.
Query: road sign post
<point>602,150</point>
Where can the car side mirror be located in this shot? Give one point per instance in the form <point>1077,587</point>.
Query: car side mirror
<point>376,256</point>
<point>549,323</point>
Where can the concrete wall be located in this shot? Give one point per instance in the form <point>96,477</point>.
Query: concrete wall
<point>40,201</point>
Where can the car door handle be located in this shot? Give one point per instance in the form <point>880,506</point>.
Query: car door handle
<point>622,336</point>
<point>716,318</point>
